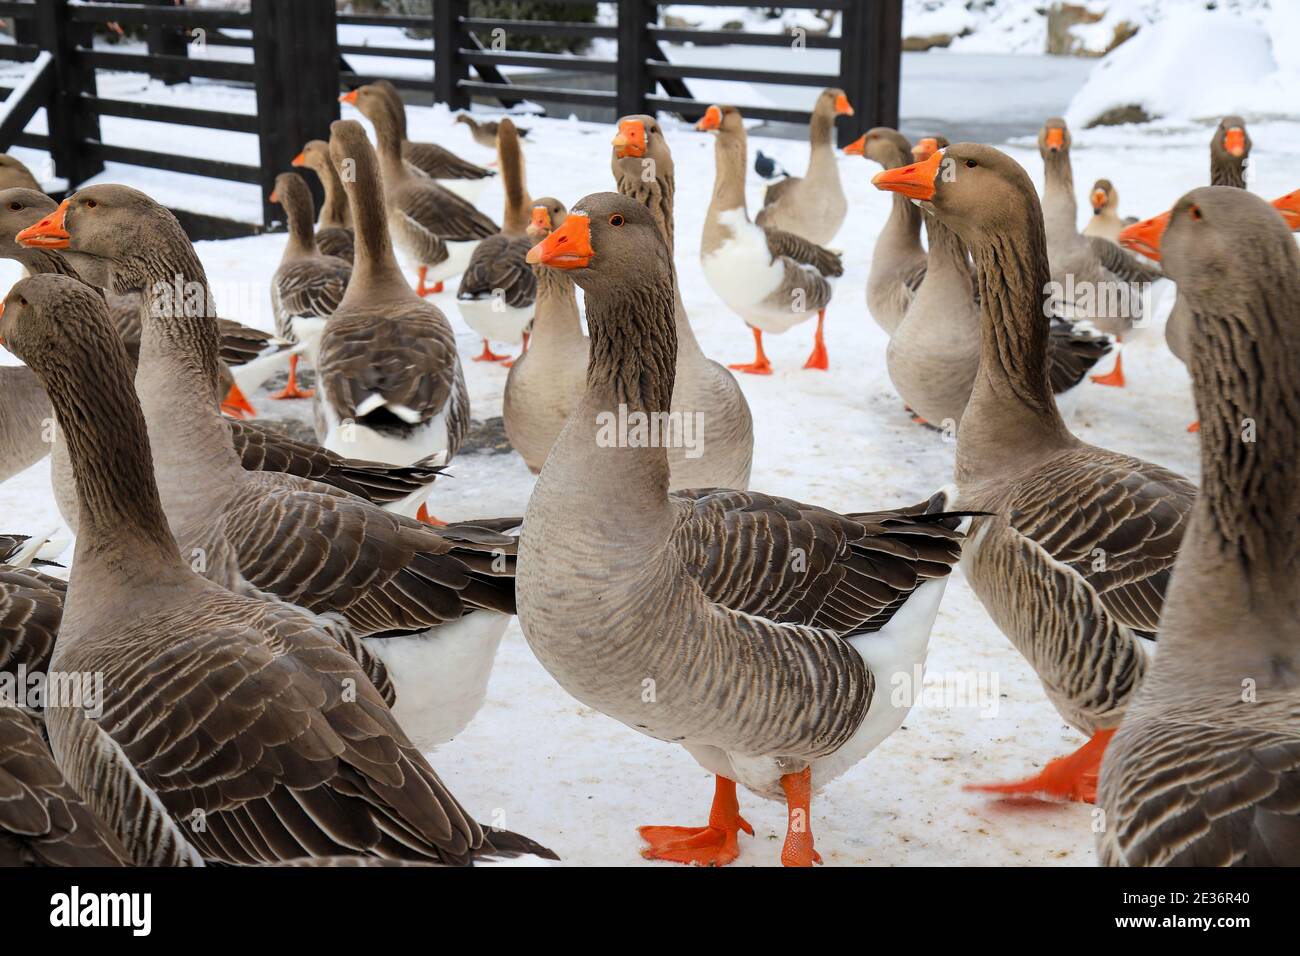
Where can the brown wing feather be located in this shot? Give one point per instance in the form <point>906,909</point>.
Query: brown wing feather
<point>436,162</point>
<point>1072,353</point>
<point>312,287</point>
<point>780,243</point>
<point>499,262</point>
<point>1123,263</point>
<point>442,213</point>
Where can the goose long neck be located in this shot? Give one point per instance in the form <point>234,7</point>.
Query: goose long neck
<point>1227,170</point>
<point>334,211</point>
<point>729,182</point>
<point>821,157</point>
<point>1012,395</point>
<point>373,258</point>
<point>388,120</point>
<point>557,321</point>
<point>511,159</point>
<point>178,382</point>
<point>1248,399</point>
<point>299,214</point>
<point>948,254</point>
<point>123,537</point>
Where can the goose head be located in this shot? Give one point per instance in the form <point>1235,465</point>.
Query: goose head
<point>1054,137</point>
<point>640,139</point>
<point>20,208</point>
<point>547,216</point>
<point>882,145</point>
<point>608,242</point>
<point>1230,140</point>
<point>1103,196</point>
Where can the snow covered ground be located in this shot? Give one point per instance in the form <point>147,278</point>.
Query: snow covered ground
<point>537,761</point>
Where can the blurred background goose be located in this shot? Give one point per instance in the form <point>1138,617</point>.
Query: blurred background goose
<point>334,225</point>
<point>484,132</point>
<point>812,206</point>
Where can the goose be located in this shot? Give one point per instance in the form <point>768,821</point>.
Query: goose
<point>1106,222</point>
<point>31,607</point>
<point>485,133</point>
<point>764,630</point>
<point>898,260</point>
<point>1229,152</point>
<point>933,355</point>
<point>703,390</point>
<point>429,160</point>
<point>216,708</point>
<point>772,279</point>
<point>1205,768</point>
<point>435,228</point>
<point>334,225</point>
<point>546,382</point>
<point>1074,566</point>
<point>812,206</point>
<point>1092,278</point>
<point>498,289</point>
<point>308,285</point>
<point>443,598</point>
<point>391,387</point>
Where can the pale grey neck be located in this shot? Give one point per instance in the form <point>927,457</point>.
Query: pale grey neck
<point>557,324</point>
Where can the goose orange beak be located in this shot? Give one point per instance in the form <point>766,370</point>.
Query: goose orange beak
<point>1289,207</point>
<point>858,147</point>
<point>300,159</point>
<point>540,223</point>
<point>50,232</point>
<point>915,181</point>
<point>1234,141</point>
<point>275,195</point>
<point>1055,139</point>
<point>1145,236</point>
<point>349,97</point>
<point>1098,199</point>
<point>842,106</point>
<point>925,148</point>
<point>568,247</point>
<point>630,139</point>
<point>712,119</point>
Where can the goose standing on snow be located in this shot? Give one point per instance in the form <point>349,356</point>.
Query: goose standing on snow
<point>812,206</point>
<point>1205,769</point>
<point>430,160</point>
<point>773,280</point>
<point>547,381</point>
<point>334,225</point>
<point>767,630</point>
<point>1073,567</point>
<point>485,133</point>
<point>377,574</point>
<point>308,285</point>
<point>702,390</point>
<point>1093,279</point>
<point>1105,222</point>
<point>498,290</point>
<point>390,384</point>
<point>898,259</point>
<point>241,714</point>
<point>435,228</point>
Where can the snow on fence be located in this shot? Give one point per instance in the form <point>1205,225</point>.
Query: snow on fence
<point>298,65</point>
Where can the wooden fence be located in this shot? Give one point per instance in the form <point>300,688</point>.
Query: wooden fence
<point>298,66</point>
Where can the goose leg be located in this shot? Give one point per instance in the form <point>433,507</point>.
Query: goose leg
<point>1073,777</point>
<point>236,405</point>
<point>291,389</point>
<point>509,363</point>
<point>487,355</point>
<point>798,849</point>
<point>760,365</point>
<point>712,845</point>
<point>1115,376</point>
<point>421,289</point>
<point>819,359</point>
<point>1194,426</point>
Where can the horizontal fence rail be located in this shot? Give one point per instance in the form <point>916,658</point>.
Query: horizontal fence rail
<point>296,64</point>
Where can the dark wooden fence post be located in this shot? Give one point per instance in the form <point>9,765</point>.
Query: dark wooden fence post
<point>633,84</point>
<point>168,41</point>
<point>448,68</point>
<point>69,125</point>
<point>870,61</point>
<point>296,58</point>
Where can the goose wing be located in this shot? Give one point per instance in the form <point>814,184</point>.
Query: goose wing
<point>800,250</point>
<point>773,194</point>
<point>327,551</point>
<point>793,563</point>
<point>264,448</point>
<point>437,162</point>
<point>43,821</point>
<point>1116,521</point>
<point>1121,263</point>
<point>1202,793</point>
<point>442,213</point>
<point>31,609</point>
<point>1072,352</point>
<point>499,262</point>
<point>312,287</point>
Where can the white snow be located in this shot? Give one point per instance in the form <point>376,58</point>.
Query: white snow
<point>537,761</point>
<point>1197,64</point>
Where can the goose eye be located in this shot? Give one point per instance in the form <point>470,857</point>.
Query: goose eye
<point>91,204</point>
<point>15,206</point>
<point>1195,212</point>
<point>971,164</point>
<point>616,220</point>
<point>22,301</point>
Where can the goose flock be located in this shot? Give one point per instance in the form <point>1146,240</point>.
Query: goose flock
<point>273,636</point>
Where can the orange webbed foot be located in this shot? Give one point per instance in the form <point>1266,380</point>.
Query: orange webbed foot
<point>712,845</point>
<point>819,359</point>
<point>753,368</point>
<point>1073,777</point>
<point>1115,377</point>
<point>487,355</point>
